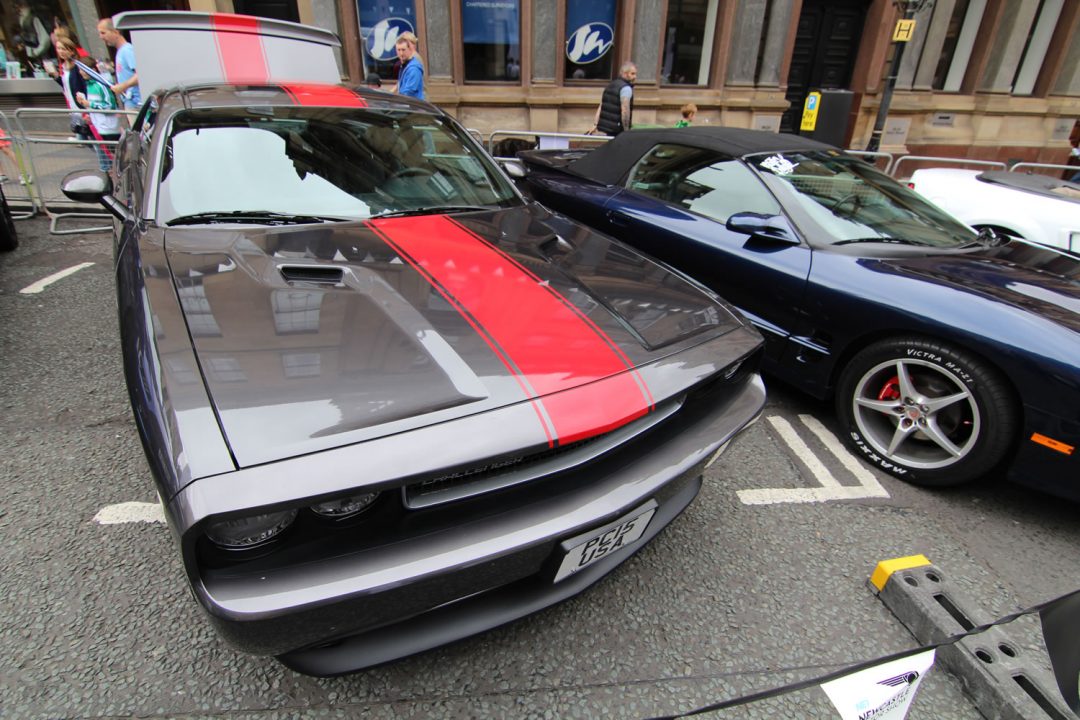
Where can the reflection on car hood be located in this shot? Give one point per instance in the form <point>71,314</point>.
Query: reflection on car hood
<point>1024,275</point>
<point>311,337</point>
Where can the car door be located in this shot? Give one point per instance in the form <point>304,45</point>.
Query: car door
<point>674,205</point>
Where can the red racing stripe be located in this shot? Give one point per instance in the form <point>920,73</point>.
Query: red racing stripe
<point>585,385</point>
<point>240,48</point>
<point>324,95</point>
<point>541,414</point>
<point>573,308</point>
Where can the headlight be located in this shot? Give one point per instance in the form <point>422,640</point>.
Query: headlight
<point>248,532</point>
<point>345,507</point>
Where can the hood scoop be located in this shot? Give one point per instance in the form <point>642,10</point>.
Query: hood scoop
<point>316,274</point>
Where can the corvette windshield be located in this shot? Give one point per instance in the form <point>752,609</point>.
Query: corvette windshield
<point>853,202</point>
<point>320,164</point>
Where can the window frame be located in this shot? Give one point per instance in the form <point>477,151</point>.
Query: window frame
<point>457,34</point>
<point>707,54</point>
<point>718,157</point>
<point>622,40</point>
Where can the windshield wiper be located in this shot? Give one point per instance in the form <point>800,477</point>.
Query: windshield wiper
<point>260,217</point>
<point>887,241</point>
<point>432,210</point>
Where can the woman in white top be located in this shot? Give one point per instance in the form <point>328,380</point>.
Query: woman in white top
<point>68,76</point>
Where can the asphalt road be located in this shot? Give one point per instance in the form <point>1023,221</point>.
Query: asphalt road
<point>732,598</point>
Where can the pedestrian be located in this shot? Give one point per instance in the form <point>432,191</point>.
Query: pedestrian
<point>5,148</point>
<point>689,110</point>
<point>615,112</point>
<point>411,80</point>
<point>63,31</point>
<point>72,82</point>
<point>373,81</point>
<point>33,36</point>
<point>127,78</point>
<point>103,126</point>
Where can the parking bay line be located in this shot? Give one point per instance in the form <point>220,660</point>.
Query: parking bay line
<point>130,512</point>
<point>830,489</point>
<point>35,288</point>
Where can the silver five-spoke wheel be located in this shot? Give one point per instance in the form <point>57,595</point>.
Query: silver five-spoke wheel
<point>926,412</point>
<point>916,413</point>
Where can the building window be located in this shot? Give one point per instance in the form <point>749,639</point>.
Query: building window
<point>590,39</point>
<point>948,49</point>
<point>491,35</point>
<point>197,312</point>
<point>1038,42</point>
<point>380,24</point>
<point>296,311</point>
<point>300,365</point>
<point>225,369</point>
<point>688,40</point>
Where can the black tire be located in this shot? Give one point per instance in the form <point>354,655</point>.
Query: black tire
<point>890,401</point>
<point>9,239</point>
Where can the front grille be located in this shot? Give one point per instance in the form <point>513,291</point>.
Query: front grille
<point>505,472</point>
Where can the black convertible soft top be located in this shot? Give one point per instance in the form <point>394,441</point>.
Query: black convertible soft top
<point>609,162</point>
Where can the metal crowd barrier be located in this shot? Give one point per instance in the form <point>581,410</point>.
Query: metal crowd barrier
<point>17,193</point>
<point>1023,166</point>
<point>544,140</point>
<point>944,161</point>
<point>874,157</point>
<point>53,152</point>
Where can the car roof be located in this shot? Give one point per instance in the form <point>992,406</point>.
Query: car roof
<point>182,47</point>
<point>1045,185</point>
<point>609,162</point>
<point>210,95</point>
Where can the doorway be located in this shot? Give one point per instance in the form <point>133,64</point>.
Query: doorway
<point>826,43</point>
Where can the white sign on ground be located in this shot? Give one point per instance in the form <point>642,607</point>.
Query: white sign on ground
<point>883,692</point>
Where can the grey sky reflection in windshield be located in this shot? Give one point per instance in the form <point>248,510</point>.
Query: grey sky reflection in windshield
<point>325,162</point>
<point>851,201</point>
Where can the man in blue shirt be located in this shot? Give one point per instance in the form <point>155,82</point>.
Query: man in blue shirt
<point>127,79</point>
<point>411,79</point>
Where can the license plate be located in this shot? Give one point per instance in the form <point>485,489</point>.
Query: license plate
<point>584,551</point>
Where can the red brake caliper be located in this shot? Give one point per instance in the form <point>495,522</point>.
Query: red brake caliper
<point>891,389</point>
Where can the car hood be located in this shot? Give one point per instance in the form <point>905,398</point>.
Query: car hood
<point>310,337</point>
<point>1022,275</point>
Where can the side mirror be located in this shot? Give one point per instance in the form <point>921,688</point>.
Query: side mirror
<point>94,188</point>
<point>513,168</point>
<point>86,186</point>
<point>765,227</point>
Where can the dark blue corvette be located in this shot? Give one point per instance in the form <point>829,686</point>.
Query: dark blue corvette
<point>948,353</point>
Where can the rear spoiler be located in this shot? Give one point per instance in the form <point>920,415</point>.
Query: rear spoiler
<point>183,48</point>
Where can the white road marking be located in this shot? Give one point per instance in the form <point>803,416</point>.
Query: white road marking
<point>130,512</point>
<point>830,489</point>
<point>849,461</point>
<point>802,450</point>
<point>35,288</point>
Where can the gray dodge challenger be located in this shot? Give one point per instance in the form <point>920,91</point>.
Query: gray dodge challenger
<point>387,402</point>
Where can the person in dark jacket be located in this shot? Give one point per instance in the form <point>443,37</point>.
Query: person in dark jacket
<point>616,110</point>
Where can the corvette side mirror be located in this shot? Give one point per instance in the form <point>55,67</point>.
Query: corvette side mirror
<point>765,227</point>
<point>513,168</point>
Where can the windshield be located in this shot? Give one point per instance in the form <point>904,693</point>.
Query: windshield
<point>320,163</point>
<point>852,201</point>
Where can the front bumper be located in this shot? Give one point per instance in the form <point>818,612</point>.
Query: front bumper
<point>344,613</point>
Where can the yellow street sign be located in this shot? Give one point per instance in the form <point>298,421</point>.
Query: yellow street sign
<point>810,111</point>
<point>904,30</point>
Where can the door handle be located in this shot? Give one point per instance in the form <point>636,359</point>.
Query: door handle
<point>618,218</point>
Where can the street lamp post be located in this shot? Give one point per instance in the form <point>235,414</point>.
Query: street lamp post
<point>902,33</point>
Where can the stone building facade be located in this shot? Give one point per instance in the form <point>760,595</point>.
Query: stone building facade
<point>988,79</point>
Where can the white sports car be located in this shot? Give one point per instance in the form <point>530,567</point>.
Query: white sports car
<point>1039,208</point>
